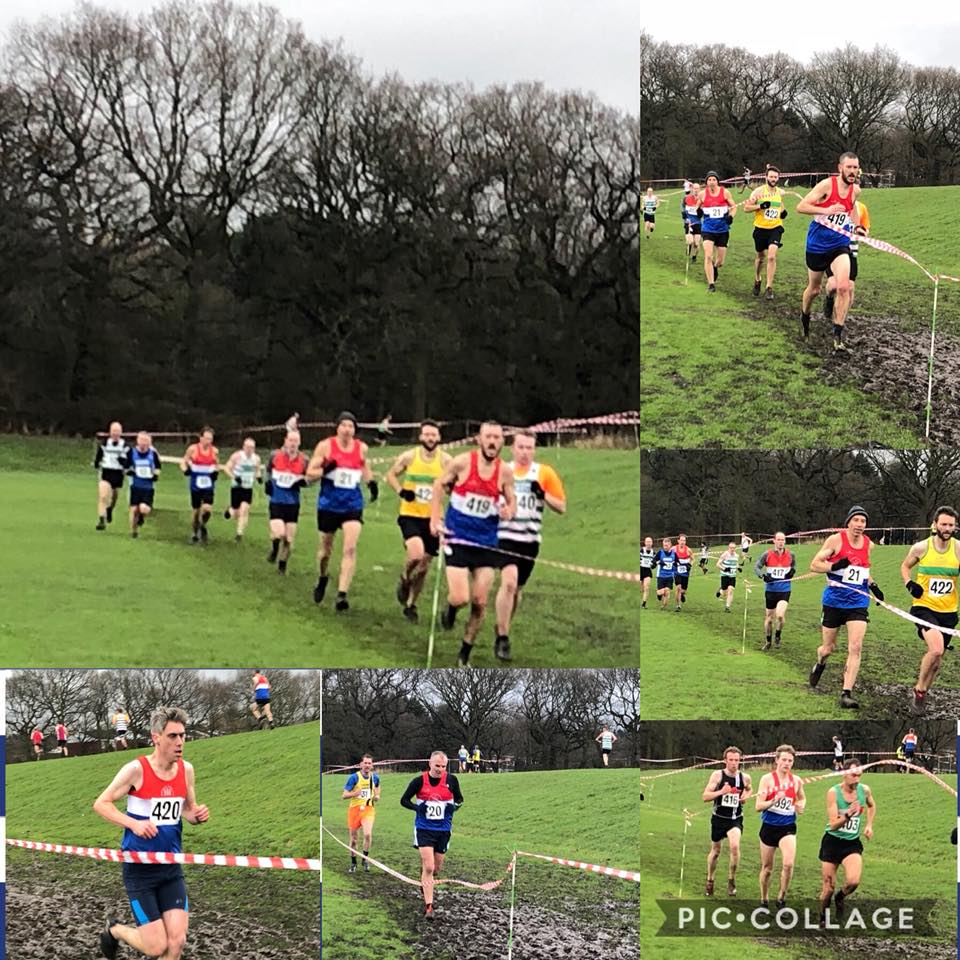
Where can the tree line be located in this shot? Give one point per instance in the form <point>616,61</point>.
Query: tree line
<point>207,215</point>
<point>85,701</point>
<point>718,107</point>
<point>543,719</point>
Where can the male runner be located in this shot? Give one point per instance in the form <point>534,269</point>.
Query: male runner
<point>934,592</point>
<point>745,544</point>
<point>847,802</point>
<point>704,558</point>
<point>681,576</point>
<point>647,559</point>
<point>120,721</point>
<point>384,433</point>
<point>160,794</point>
<point>142,463</point>
<point>746,179</point>
<point>845,559</point>
<point>419,469</point>
<point>766,204</point>
<point>260,707</point>
<point>537,485</point>
<point>62,739</point>
<point>650,204</point>
<point>475,759</point>
<point>362,789</point>
<point>718,210</point>
<point>666,563</point>
<point>244,469</point>
<point>107,460</point>
<point>692,215</point>
<point>286,477</point>
<point>463,758</point>
<point>36,738</point>
<point>293,422</point>
<point>482,495</point>
<point>728,564</point>
<point>909,743</point>
<point>780,799</point>
<point>837,753</point>
<point>775,568</point>
<point>606,738</point>
<point>727,789</point>
<point>201,465</point>
<point>834,199</point>
<point>864,216</point>
<point>340,463</point>
<point>434,795</point>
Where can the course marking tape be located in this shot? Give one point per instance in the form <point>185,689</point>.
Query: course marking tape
<point>881,245</point>
<point>589,867</point>
<point>196,859</point>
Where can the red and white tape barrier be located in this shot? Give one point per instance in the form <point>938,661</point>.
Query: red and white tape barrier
<point>589,867</point>
<point>195,859</point>
<point>881,245</point>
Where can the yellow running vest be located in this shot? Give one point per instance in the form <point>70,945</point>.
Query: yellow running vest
<point>419,478</point>
<point>937,573</point>
<point>769,218</point>
<point>365,785</point>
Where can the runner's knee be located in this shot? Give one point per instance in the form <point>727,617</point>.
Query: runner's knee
<point>477,608</point>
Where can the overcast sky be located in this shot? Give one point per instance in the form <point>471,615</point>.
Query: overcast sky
<point>928,36</point>
<point>568,44</point>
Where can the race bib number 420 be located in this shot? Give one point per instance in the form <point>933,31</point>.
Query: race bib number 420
<point>203,481</point>
<point>165,812</point>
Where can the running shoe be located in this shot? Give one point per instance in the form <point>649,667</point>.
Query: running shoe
<point>805,324</point>
<point>282,568</point>
<point>781,904</point>
<point>445,621</point>
<point>712,288</point>
<point>717,594</point>
<point>204,536</point>
<point>683,598</point>
<point>109,514</point>
<point>428,912</point>
<point>403,588</point>
<point>776,643</point>
<point>366,866</point>
<point>101,525</point>
<point>769,294</point>
<point>134,534</point>
<point>238,538</point>
<point>352,868</point>
<point>919,704</point>
<point>411,613</point>
<point>341,605</point>
<point>109,944</point>
<point>847,702</point>
<point>731,887</point>
<point>501,649</point>
<point>838,899</point>
<point>726,610</point>
<point>828,307</point>
<point>226,514</point>
<point>320,589</point>
<point>766,644</point>
<point>840,347</point>
<point>708,888</point>
<point>756,288</point>
<point>816,673</point>
<point>141,519</point>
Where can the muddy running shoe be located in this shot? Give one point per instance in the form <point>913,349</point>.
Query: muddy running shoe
<point>320,589</point>
<point>109,944</point>
<point>781,904</point>
<point>766,644</point>
<point>847,702</point>
<point>712,288</point>
<point>805,324</point>
<point>756,288</point>
<point>919,703</point>
<point>134,534</point>
<point>109,514</point>
<point>238,538</point>
<point>446,621</point>
<point>101,524</point>
<point>428,912</point>
<point>204,536</point>
<point>411,613</point>
<point>352,868</point>
<point>776,642</point>
<point>731,887</point>
<point>366,866</point>
<point>838,899</point>
<point>683,598</point>
<point>403,588</point>
<point>726,610</point>
<point>341,605</point>
<point>501,648</point>
<point>816,673</point>
<point>769,294</point>
<point>141,519</point>
<point>708,888</point>
<point>828,307</point>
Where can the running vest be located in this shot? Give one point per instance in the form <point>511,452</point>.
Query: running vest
<point>937,573</point>
<point>61,732</point>
<point>769,218</point>
<point>144,467</point>
<point>261,688</point>
<point>162,802</point>
<point>729,807</point>
<point>684,561</point>
<point>36,736</point>
<point>527,522</point>
<point>715,208</point>
<point>419,478</point>
<point>245,471</point>
<point>606,741</point>
<point>340,490</point>
<point>856,575</point>
<point>784,811</point>
<point>434,813</point>
<point>910,742</point>
<point>110,454</point>
<point>690,205</point>
<point>822,239</point>
<point>729,565</point>
<point>473,512</point>
<point>120,721</point>
<point>864,216</point>
<point>666,562</point>
<point>203,469</point>
<point>366,785</point>
<point>852,829</point>
<point>646,558</point>
<point>650,205</point>
<point>286,472</point>
<point>777,565</point>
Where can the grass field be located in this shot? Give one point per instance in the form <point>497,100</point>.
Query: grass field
<point>730,370</point>
<point>559,813</point>
<point>263,793</point>
<point>220,605</point>
<point>909,857</point>
<point>692,666</point>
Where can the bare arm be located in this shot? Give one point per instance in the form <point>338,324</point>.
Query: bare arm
<point>320,453</point>
<point>710,791</point>
<point>227,468</point>
<point>762,804</point>
<point>821,561</point>
<point>444,482</point>
<point>911,560</point>
<point>748,788</point>
<point>187,458</point>
<point>801,802</point>
<point>193,812</point>
<point>509,507</point>
<point>752,203</point>
<point>399,466</point>
<point>817,195</point>
<point>129,778</point>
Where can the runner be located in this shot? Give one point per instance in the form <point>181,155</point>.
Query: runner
<point>855,235</point>
<point>293,422</point>
<point>244,469</point>
<point>766,203</point>
<point>419,468</point>
<point>384,433</point>
<point>36,738</point>
<point>537,485</point>
<point>362,789</point>
<point>745,544</point>
<point>845,559</point>
<point>482,495</point>
<point>606,738</point>
<point>647,560</point>
<point>286,477</point>
<point>718,210</point>
<point>692,214</point>
<point>201,465</point>
<point>142,463</point>
<point>160,794</point>
<point>704,558</point>
<point>681,576</point>
<point>746,179</point>
<point>434,795</point>
<point>463,758</point>
<point>909,744</point>
<point>62,739</point>
<point>107,460</point>
<point>841,846</point>
<point>729,566</point>
<point>834,199</point>
<point>776,568</point>
<point>650,204</point>
<point>666,563</point>
<point>934,592</point>
<point>260,706</point>
<point>340,463</point>
<point>475,759</point>
<point>120,721</point>
<point>780,799</point>
<point>727,789</point>
<point>837,753</point>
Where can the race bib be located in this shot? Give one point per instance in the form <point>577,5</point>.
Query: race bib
<point>715,213</point>
<point>941,586</point>
<point>855,576</point>
<point>246,480</point>
<point>365,793</point>
<point>838,220</point>
<point>777,573</point>
<point>166,812</point>
<point>730,800</point>
<point>852,825</point>
<point>771,213</point>
<point>346,479</point>
<point>423,492</point>
<point>203,481</point>
<point>284,479</point>
<point>783,806</point>
<point>434,810</point>
<point>144,471</point>
<point>528,504</point>
<point>475,506</point>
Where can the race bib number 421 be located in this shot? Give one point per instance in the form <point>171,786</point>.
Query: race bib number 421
<point>434,810</point>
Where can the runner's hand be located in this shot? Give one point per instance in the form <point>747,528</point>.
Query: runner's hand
<point>767,578</point>
<point>790,574</point>
<point>783,214</point>
<point>436,526</point>
<point>329,465</point>
<point>765,205</point>
<point>876,591</point>
<point>145,829</point>
<point>409,495</point>
<point>868,832</point>
<point>840,564</point>
<point>536,489</point>
<point>200,813</point>
<point>728,219</point>
<point>914,589</point>
<point>268,488</point>
<point>374,489</point>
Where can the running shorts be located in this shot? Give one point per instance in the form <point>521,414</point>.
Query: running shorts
<point>836,850</point>
<point>832,617</point>
<point>411,527</point>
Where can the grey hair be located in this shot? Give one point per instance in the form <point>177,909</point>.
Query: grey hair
<point>164,715</point>
<point>439,753</point>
